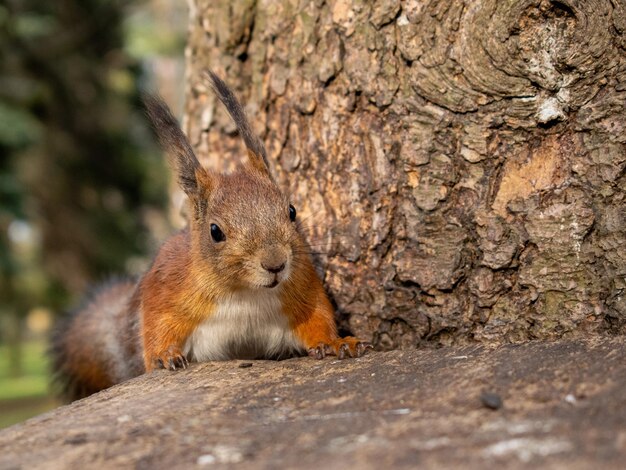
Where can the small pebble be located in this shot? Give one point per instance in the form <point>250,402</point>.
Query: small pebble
<point>77,439</point>
<point>245,365</point>
<point>491,400</point>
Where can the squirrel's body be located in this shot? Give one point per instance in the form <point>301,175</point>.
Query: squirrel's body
<point>237,284</point>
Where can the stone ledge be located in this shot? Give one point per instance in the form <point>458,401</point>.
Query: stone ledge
<point>563,406</point>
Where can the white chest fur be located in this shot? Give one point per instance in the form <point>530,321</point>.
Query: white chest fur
<point>248,325</point>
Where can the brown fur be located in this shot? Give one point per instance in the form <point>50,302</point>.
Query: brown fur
<point>192,273</point>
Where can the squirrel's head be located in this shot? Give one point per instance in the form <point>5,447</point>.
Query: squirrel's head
<point>244,229</point>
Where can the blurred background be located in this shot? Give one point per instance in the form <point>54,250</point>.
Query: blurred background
<point>83,187</point>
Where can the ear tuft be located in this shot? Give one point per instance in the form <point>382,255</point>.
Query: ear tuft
<point>174,142</point>
<point>256,149</point>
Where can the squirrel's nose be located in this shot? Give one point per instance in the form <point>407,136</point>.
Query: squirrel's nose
<point>273,269</point>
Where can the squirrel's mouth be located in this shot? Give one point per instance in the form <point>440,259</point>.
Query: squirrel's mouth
<point>273,284</point>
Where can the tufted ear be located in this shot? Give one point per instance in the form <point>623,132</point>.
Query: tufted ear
<point>257,155</point>
<point>192,178</point>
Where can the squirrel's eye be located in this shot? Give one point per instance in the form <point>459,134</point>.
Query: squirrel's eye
<point>292,213</point>
<point>217,234</point>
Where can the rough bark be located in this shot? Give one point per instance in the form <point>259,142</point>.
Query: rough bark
<point>562,406</point>
<point>461,162</point>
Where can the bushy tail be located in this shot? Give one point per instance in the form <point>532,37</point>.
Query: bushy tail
<point>96,346</point>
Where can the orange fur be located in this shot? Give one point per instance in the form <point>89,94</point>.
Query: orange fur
<point>312,315</point>
<point>173,303</point>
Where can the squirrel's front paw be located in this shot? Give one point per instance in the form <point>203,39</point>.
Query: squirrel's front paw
<point>171,359</point>
<point>341,347</point>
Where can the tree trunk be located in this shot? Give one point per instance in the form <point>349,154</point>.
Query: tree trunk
<point>461,163</point>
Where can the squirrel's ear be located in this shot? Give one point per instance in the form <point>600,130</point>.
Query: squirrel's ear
<point>258,163</point>
<point>175,144</point>
<point>256,150</point>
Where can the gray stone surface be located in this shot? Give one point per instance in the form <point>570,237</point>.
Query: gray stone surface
<point>563,406</point>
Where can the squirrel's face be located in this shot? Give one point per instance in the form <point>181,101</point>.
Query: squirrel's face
<point>247,231</point>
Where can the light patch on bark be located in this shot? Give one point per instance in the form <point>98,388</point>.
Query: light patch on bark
<point>541,171</point>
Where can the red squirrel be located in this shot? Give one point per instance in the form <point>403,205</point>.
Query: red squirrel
<point>237,283</point>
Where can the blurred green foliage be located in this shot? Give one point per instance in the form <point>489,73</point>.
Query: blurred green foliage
<point>33,382</point>
<point>27,395</point>
<point>79,174</point>
<point>82,184</point>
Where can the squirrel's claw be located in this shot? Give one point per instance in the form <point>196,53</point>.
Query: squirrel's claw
<point>171,359</point>
<point>179,362</point>
<point>361,347</point>
<point>343,348</point>
<point>344,351</point>
<point>350,347</point>
<point>320,351</point>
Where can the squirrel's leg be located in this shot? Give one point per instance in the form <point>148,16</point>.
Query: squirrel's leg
<point>164,337</point>
<point>318,332</point>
